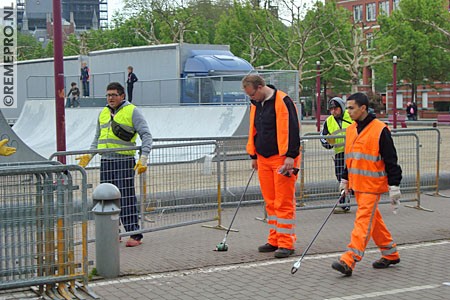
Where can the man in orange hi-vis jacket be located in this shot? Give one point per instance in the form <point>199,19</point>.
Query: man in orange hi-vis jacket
<point>273,144</point>
<point>371,169</point>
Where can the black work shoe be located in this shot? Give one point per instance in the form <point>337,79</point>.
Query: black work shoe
<point>342,267</point>
<point>383,263</point>
<point>267,248</point>
<point>283,252</point>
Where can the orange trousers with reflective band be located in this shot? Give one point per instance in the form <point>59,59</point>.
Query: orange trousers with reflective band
<point>369,224</point>
<point>279,195</point>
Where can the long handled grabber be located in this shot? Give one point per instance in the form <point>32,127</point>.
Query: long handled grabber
<point>296,266</point>
<point>223,245</point>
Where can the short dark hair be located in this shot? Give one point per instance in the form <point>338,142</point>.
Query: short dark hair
<point>116,86</point>
<point>73,84</point>
<point>360,99</point>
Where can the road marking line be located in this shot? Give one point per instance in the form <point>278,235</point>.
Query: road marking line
<point>246,265</point>
<point>391,292</point>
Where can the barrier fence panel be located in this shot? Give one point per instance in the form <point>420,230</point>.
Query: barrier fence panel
<point>318,183</point>
<point>430,142</point>
<point>190,180</point>
<point>180,186</point>
<point>43,227</point>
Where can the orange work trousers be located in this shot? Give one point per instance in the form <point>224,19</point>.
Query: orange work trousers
<point>369,224</point>
<point>279,195</point>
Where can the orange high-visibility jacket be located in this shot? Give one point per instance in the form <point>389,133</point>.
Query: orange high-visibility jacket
<point>366,169</point>
<point>282,117</point>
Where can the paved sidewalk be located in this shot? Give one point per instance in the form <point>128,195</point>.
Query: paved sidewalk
<point>180,263</point>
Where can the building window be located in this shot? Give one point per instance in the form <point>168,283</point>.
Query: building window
<point>424,100</point>
<point>371,12</point>
<point>357,13</point>
<point>396,4</point>
<point>369,41</point>
<point>384,8</point>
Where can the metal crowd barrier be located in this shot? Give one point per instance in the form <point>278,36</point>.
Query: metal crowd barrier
<point>180,187</point>
<point>318,183</point>
<point>192,180</point>
<point>430,156</point>
<point>43,228</point>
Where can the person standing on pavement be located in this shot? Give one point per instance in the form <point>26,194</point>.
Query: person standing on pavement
<point>118,125</point>
<point>131,79</point>
<point>336,124</point>
<point>274,146</point>
<point>371,170</point>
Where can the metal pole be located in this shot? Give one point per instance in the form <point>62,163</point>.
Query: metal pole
<point>318,96</point>
<point>394,90</point>
<point>58,63</point>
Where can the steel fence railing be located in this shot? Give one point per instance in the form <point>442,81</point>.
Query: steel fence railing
<point>43,227</point>
<point>318,183</point>
<point>430,156</point>
<point>180,186</point>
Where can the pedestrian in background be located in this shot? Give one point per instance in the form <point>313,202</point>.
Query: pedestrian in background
<point>118,125</point>
<point>336,125</point>
<point>85,77</point>
<point>371,169</point>
<point>131,79</point>
<point>274,147</point>
<point>73,95</point>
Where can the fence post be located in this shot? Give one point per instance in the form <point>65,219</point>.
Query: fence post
<point>106,209</point>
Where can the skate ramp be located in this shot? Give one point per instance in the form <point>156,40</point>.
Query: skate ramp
<point>36,125</point>
<point>23,151</point>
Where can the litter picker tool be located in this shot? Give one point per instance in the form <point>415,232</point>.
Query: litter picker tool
<point>222,246</point>
<point>296,266</point>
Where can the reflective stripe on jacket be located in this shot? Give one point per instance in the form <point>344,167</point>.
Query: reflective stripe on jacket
<point>335,129</point>
<point>107,138</point>
<point>366,169</point>
<point>282,123</point>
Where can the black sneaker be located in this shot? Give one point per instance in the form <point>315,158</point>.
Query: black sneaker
<point>283,252</point>
<point>342,267</point>
<point>383,263</point>
<point>267,248</point>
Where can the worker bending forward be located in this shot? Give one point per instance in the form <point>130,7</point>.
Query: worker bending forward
<point>273,144</point>
<point>371,170</point>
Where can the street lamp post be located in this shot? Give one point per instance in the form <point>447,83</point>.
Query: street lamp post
<point>318,96</point>
<point>394,90</point>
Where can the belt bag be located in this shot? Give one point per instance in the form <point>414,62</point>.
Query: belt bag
<point>123,132</point>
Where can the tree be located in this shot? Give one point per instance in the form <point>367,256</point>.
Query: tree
<point>28,47</point>
<point>245,40</point>
<point>422,49</point>
<point>302,43</point>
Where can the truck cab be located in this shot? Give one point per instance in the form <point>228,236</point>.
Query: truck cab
<point>213,77</point>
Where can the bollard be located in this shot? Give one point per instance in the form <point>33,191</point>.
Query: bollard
<point>106,198</point>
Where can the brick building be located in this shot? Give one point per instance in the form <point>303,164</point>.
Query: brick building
<point>366,12</point>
